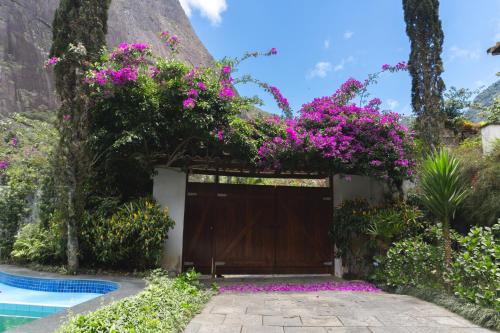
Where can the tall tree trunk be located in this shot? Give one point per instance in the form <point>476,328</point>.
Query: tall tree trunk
<point>72,224</point>
<point>447,244</point>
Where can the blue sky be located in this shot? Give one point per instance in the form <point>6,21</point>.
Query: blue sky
<point>321,43</point>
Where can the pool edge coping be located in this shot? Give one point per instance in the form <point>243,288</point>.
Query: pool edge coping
<point>127,286</point>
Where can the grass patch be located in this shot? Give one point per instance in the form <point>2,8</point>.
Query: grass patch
<point>166,305</point>
<point>485,317</point>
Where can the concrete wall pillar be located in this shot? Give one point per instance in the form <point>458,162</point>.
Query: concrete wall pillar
<point>489,135</point>
<point>352,187</point>
<point>358,187</point>
<point>169,190</point>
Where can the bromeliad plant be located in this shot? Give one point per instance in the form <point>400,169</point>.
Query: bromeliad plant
<point>443,190</point>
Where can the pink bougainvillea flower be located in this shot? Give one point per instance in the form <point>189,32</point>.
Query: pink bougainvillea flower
<point>172,41</point>
<point>220,135</point>
<point>123,75</point>
<point>140,46</point>
<point>189,103</point>
<point>273,51</point>
<point>201,86</point>
<point>66,117</point>
<point>4,164</point>
<point>153,72</point>
<point>226,92</point>
<point>52,61</point>
<point>192,92</point>
<point>400,66</point>
<point>14,141</point>
<point>279,98</point>
<point>301,287</point>
<point>226,69</point>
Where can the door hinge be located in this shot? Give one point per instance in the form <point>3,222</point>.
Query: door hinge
<point>220,263</point>
<point>328,263</point>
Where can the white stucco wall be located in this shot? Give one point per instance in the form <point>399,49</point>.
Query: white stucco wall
<point>489,134</point>
<point>358,187</point>
<point>349,187</point>
<point>169,190</point>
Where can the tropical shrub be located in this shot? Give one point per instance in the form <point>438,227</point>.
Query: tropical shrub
<point>476,271</point>
<point>395,222</point>
<point>350,219</point>
<point>36,244</point>
<point>166,305</point>
<point>443,191</point>
<point>133,236</point>
<point>412,262</point>
<point>481,206</point>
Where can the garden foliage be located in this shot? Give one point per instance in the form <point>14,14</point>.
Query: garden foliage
<point>481,206</point>
<point>35,243</point>
<point>166,305</point>
<point>25,148</point>
<point>476,271</point>
<point>413,262</point>
<point>132,237</point>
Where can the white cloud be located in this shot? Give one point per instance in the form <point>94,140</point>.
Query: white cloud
<point>456,52</point>
<point>342,63</point>
<point>392,104</point>
<point>326,44</point>
<point>348,34</point>
<point>211,9</point>
<point>321,69</point>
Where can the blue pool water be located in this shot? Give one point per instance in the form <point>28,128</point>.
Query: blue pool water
<point>24,299</point>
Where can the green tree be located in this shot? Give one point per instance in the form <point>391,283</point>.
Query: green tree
<point>79,31</point>
<point>423,28</point>
<point>444,190</point>
<point>456,101</point>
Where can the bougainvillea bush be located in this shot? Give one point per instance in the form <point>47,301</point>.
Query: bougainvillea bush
<point>151,110</point>
<point>333,133</point>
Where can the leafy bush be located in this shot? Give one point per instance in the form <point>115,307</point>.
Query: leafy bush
<point>483,173</point>
<point>476,271</point>
<point>37,244</point>
<point>351,218</point>
<point>167,305</point>
<point>412,262</point>
<point>132,237</point>
<point>395,222</point>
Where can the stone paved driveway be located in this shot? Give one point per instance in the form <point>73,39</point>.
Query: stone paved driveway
<point>327,311</point>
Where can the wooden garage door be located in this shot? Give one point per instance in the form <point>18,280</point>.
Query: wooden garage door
<point>245,229</point>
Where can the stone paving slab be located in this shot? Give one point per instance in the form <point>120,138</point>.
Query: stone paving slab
<point>326,312</point>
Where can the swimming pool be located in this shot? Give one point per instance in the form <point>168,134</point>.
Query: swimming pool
<point>24,299</point>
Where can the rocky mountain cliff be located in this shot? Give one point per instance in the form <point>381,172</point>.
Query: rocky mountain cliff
<point>484,98</point>
<point>26,37</point>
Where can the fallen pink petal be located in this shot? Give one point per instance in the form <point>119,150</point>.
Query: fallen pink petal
<point>300,287</point>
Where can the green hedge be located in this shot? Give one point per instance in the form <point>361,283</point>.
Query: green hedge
<point>166,305</point>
